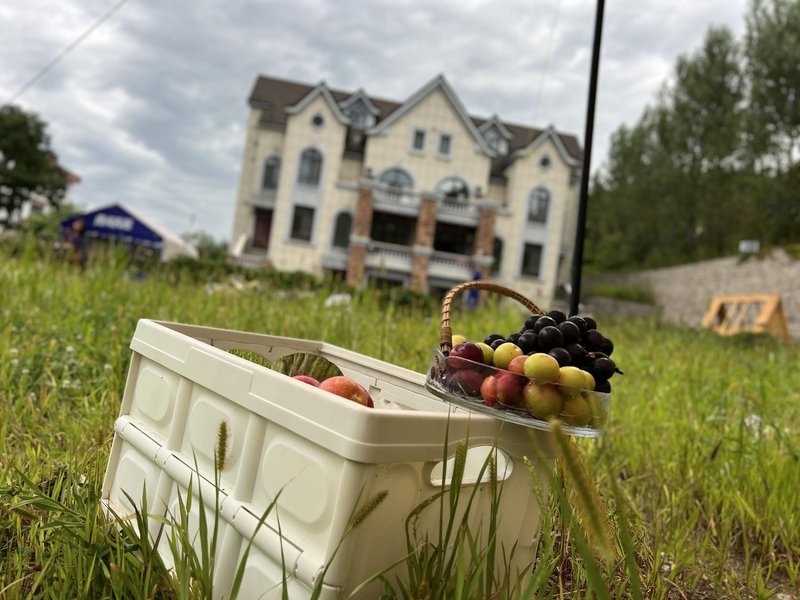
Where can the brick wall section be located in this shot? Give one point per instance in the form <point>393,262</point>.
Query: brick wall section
<point>683,293</point>
<point>426,223</point>
<point>362,225</point>
<point>419,273</point>
<point>355,264</point>
<point>484,239</point>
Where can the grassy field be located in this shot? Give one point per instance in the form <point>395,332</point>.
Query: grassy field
<point>699,467</point>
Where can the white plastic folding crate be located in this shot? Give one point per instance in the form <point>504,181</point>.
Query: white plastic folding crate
<point>327,457</point>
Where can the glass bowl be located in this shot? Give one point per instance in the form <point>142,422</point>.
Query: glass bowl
<point>515,397</point>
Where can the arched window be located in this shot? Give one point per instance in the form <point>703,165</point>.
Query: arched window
<point>310,167</point>
<point>454,189</point>
<point>341,231</point>
<point>272,172</point>
<point>398,179</point>
<point>538,203</point>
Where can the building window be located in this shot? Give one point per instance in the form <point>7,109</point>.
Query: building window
<point>445,144</point>
<point>545,162</point>
<point>454,189</point>
<point>317,120</point>
<point>272,171</point>
<point>418,140</point>
<point>398,180</point>
<point>310,167</point>
<point>537,205</point>
<point>341,231</point>
<point>302,223</point>
<point>531,260</point>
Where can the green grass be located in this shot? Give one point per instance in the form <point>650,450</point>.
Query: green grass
<point>699,468</point>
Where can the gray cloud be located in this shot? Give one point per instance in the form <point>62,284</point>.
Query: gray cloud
<point>150,110</point>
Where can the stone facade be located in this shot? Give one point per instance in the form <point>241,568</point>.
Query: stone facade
<point>684,293</point>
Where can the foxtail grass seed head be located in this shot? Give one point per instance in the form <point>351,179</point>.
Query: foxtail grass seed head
<point>222,445</point>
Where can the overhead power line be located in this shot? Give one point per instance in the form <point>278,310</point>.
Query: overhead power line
<point>63,54</point>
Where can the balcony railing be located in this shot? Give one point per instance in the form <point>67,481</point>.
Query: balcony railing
<point>461,209</point>
<point>394,199</point>
<point>450,266</point>
<point>381,255</point>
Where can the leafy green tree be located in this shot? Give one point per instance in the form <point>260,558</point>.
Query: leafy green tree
<point>27,164</point>
<point>772,46</point>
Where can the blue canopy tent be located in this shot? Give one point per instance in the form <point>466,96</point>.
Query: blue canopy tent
<point>120,224</point>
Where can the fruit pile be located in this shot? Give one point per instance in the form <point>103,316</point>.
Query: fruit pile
<point>554,367</point>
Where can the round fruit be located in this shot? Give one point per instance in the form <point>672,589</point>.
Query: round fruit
<point>572,380</point>
<point>527,342</point>
<point>492,337</point>
<point>604,387</point>
<point>603,368</point>
<point>543,322</point>
<point>504,353</point>
<point>542,367</point>
<point>458,339</point>
<point>576,411</point>
<point>562,356</point>
<point>576,352</point>
<point>541,400</point>
<point>590,382</point>
<point>488,352</point>
<point>579,322</point>
<point>593,339</point>
<point>530,322</point>
<point>590,323</point>
<point>550,337</point>
<point>517,364</point>
<point>557,316</point>
<point>513,338</point>
<point>463,353</point>
<point>570,331</point>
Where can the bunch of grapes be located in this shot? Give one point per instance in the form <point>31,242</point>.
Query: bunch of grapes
<point>573,341</point>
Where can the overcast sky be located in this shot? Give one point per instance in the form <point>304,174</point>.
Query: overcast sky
<point>150,109</point>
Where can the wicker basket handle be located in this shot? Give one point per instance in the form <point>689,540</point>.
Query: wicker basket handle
<point>446,334</point>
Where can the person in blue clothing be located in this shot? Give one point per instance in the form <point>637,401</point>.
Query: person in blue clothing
<point>473,295</point>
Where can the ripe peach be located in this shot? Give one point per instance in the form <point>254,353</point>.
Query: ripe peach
<point>306,379</point>
<point>509,388</point>
<point>347,388</point>
<point>466,381</point>
<point>469,351</point>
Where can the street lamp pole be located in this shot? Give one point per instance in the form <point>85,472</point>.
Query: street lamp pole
<point>577,258</point>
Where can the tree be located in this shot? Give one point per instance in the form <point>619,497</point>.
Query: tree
<point>28,167</point>
<point>772,47</point>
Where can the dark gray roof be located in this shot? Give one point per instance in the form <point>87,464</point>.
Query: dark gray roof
<point>272,96</point>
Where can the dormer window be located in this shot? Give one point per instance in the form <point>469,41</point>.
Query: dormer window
<point>360,112</point>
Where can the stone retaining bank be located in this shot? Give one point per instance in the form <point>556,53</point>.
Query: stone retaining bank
<point>683,293</point>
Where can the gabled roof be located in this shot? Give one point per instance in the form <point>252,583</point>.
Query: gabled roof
<point>320,89</point>
<point>360,94</point>
<point>548,134</point>
<point>494,121</point>
<point>440,83</point>
<point>271,96</point>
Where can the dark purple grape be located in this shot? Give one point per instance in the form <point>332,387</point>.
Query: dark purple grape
<point>592,339</point>
<point>550,337</point>
<point>531,321</point>
<point>527,342</point>
<point>577,352</point>
<point>513,338</point>
<point>562,356</point>
<point>557,316</point>
<point>570,332</point>
<point>579,322</point>
<point>492,337</point>
<point>496,343</point>
<point>603,368</point>
<point>543,322</point>
<point>590,323</point>
<point>606,347</point>
<point>603,387</point>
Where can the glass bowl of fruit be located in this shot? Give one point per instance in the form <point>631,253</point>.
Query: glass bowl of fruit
<point>555,367</point>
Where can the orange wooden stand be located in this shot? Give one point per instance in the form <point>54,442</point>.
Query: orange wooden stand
<point>755,313</point>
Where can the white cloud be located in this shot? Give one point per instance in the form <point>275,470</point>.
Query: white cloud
<point>150,110</point>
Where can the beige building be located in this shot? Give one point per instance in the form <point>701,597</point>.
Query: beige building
<point>415,193</point>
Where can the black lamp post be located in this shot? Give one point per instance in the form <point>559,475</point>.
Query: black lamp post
<point>577,258</point>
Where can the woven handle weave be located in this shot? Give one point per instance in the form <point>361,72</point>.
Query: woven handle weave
<point>446,334</point>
